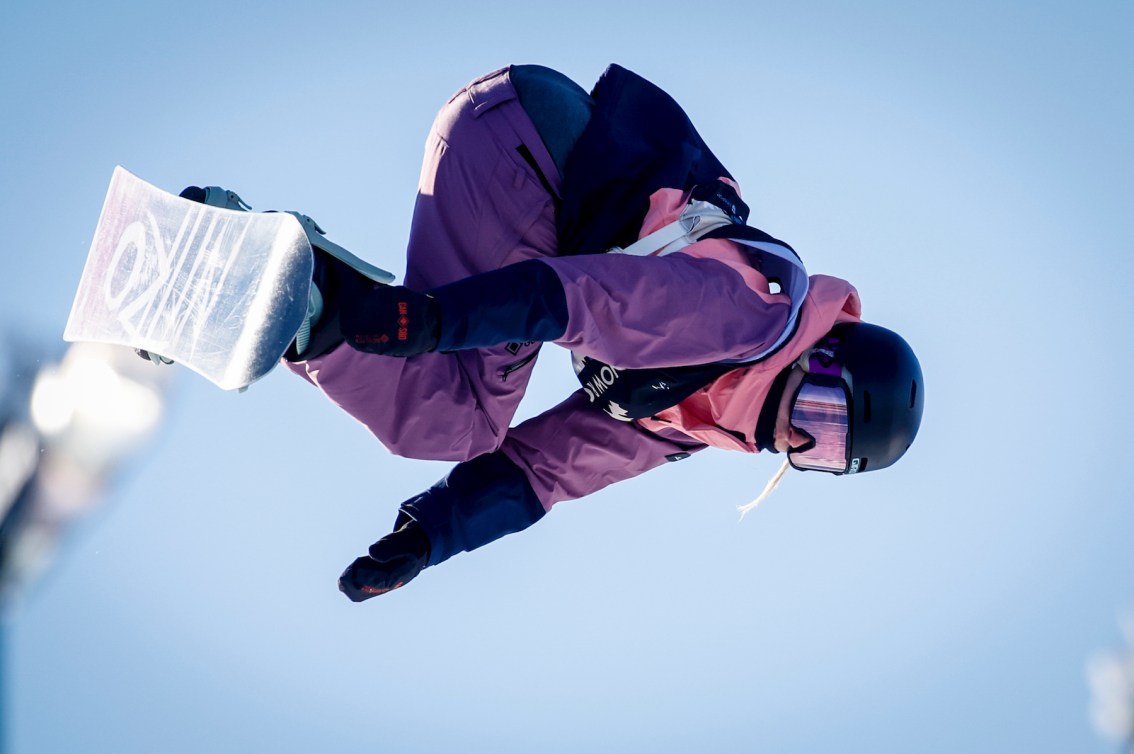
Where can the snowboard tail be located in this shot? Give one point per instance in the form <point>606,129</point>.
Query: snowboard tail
<point>221,291</point>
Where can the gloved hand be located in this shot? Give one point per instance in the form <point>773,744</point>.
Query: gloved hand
<point>391,320</point>
<point>393,561</point>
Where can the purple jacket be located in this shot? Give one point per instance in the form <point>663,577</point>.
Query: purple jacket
<point>482,205</point>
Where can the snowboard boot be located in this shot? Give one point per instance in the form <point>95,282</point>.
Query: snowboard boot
<point>332,282</point>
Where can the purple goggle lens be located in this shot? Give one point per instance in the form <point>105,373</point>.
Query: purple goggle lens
<point>821,409</point>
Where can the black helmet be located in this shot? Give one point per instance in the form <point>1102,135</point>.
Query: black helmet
<point>888,393</point>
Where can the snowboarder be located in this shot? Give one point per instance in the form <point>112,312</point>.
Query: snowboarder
<point>697,330</point>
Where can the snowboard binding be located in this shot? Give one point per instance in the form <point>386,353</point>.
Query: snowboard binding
<point>216,196</point>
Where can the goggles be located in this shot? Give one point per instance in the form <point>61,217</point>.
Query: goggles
<point>821,409</point>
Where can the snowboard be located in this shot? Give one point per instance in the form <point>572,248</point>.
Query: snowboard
<point>220,290</point>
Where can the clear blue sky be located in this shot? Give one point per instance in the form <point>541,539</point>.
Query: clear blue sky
<point>969,166</point>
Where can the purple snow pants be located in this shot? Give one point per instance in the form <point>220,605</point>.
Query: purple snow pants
<point>479,207</point>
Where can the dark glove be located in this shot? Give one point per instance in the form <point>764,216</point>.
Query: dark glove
<point>393,562</point>
<point>391,320</point>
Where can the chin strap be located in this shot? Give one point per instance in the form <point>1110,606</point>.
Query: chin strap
<point>769,488</point>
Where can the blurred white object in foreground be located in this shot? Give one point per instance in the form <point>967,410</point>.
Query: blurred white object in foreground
<point>61,440</point>
<point>1111,679</point>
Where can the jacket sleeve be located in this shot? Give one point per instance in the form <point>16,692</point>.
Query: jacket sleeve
<point>676,310</point>
<point>574,449</point>
<point>628,311</point>
<point>567,452</point>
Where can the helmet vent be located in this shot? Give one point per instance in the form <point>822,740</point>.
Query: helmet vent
<point>913,393</point>
<point>866,406</point>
